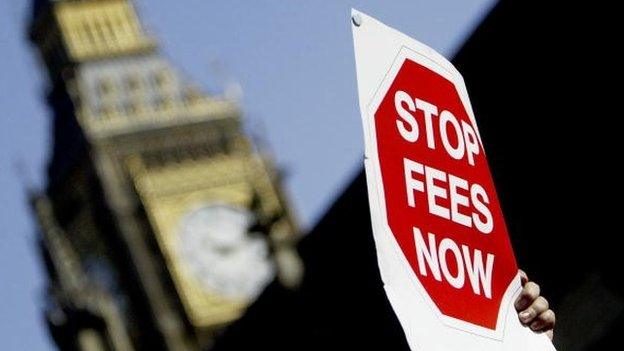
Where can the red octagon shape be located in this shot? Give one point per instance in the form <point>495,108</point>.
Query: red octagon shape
<point>458,303</point>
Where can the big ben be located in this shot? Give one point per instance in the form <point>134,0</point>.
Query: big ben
<point>160,221</point>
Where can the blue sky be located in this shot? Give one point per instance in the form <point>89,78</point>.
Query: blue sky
<point>294,61</point>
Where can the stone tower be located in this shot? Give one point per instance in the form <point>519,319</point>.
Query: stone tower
<point>160,221</point>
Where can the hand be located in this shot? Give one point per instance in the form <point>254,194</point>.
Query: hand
<point>533,309</point>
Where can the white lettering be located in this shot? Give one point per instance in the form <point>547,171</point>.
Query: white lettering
<point>472,143</point>
<point>479,196</point>
<point>412,184</point>
<point>434,191</point>
<point>458,200</point>
<point>409,128</point>
<point>435,259</point>
<point>478,276</point>
<point>408,133</point>
<point>429,110</point>
<point>427,253</point>
<point>447,245</point>
<point>467,210</point>
<point>446,119</point>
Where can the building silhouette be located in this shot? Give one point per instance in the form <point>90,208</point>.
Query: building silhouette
<point>540,99</point>
<point>160,221</point>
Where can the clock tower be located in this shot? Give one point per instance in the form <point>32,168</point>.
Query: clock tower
<point>160,221</point>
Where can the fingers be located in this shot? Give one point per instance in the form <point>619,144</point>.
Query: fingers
<point>539,306</point>
<point>533,309</point>
<point>544,322</point>
<point>539,317</point>
<point>530,292</point>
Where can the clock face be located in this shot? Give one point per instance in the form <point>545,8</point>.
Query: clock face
<point>222,255</point>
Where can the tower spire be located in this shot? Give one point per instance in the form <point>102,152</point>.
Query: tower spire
<point>71,32</point>
<point>139,159</point>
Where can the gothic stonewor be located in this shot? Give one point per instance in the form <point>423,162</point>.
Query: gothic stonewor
<point>160,221</point>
